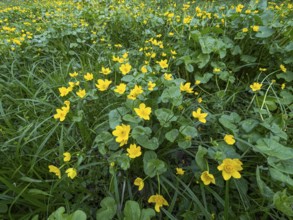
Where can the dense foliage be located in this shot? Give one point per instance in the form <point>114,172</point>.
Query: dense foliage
<point>146,110</point>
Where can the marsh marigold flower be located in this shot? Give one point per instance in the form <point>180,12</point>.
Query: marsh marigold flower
<point>200,116</point>
<point>67,157</point>
<point>168,76</point>
<point>134,151</point>
<point>71,173</point>
<point>63,91</point>
<point>136,91</point>
<point>61,114</point>
<point>151,86</point>
<point>55,170</point>
<point>255,86</point>
<point>103,85</point>
<point>81,93</point>
<point>139,182</point>
<point>163,64</point>
<point>244,30</point>
<point>88,76</point>
<point>283,68</point>
<point>230,168</point>
<point>180,171</point>
<point>120,88</point>
<point>158,200</point>
<point>207,178</point>
<point>125,68</point>
<point>255,28</point>
<point>105,71</point>
<point>75,74</point>
<point>186,88</point>
<point>122,134</point>
<point>229,139</point>
<point>143,112</point>
<point>143,69</point>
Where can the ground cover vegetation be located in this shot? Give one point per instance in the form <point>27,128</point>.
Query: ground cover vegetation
<point>146,110</point>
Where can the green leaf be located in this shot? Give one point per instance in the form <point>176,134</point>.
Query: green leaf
<point>247,58</point>
<point>131,210</point>
<point>172,135</point>
<point>165,116</point>
<point>264,32</point>
<point>272,148</point>
<point>281,165</point>
<point>275,129</point>
<point>131,119</point>
<point>107,210</point>
<point>230,121</point>
<point>154,167</point>
<point>172,94</point>
<point>202,60</point>
<point>264,189</point>
<point>205,78</point>
<point>279,176</point>
<point>200,158</point>
<point>77,215</point>
<point>188,131</point>
<point>283,203</point>
<point>184,144</point>
<point>249,124</point>
<point>116,115</point>
<point>147,214</point>
<point>151,144</point>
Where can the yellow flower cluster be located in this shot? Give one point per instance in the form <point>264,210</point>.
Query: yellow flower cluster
<point>71,172</point>
<point>63,111</point>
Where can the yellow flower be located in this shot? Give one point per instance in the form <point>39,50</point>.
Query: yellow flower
<point>187,20</point>
<point>168,76</point>
<point>255,28</point>
<point>151,86</point>
<point>262,69</point>
<point>88,76</point>
<point>139,182</point>
<point>134,151</point>
<point>163,64</point>
<point>55,170</point>
<point>60,114</point>
<point>180,171</point>
<point>197,82</point>
<point>283,68</point>
<point>67,157</point>
<point>122,134</point>
<point>71,173</point>
<point>207,178</point>
<point>125,55</point>
<point>103,85</point>
<point>199,100</point>
<point>136,91</point>
<point>75,74</point>
<point>63,91</point>
<point>244,30</point>
<point>125,68</point>
<point>143,69</point>
<point>283,86</point>
<point>239,8</point>
<point>81,93</point>
<point>200,116</point>
<point>255,86</point>
<point>120,88</point>
<point>229,139</point>
<point>105,71</point>
<point>159,201</point>
<point>186,88</point>
<point>143,111</point>
<point>230,168</point>
<point>216,70</point>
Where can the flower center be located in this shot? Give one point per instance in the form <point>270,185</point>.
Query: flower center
<point>229,168</point>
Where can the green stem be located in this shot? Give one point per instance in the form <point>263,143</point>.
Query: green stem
<point>226,211</point>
